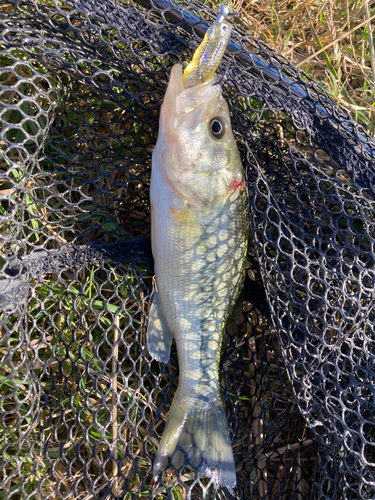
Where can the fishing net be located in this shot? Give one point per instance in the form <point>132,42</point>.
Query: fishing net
<point>83,405</point>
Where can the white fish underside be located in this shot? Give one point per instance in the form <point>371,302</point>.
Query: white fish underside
<point>199,250</point>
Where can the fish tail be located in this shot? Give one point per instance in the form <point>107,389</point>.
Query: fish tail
<point>197,434</point>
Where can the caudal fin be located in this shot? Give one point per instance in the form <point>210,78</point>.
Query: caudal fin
<point>197,434</point>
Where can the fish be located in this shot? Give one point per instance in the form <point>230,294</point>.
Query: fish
<point>199,234</point>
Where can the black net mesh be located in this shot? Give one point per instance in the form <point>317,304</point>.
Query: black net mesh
<point>82,404</point>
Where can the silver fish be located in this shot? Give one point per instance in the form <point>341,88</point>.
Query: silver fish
<point>199,229</point>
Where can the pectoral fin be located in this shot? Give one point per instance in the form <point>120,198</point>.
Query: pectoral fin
<point>159,339</point>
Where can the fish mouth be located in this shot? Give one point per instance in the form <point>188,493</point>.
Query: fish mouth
<point>179,100</point>
<point>192,98</point>
<point>193,103</point>
<point>190,104</point>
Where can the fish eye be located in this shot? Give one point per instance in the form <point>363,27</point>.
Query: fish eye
<point>218,127</point>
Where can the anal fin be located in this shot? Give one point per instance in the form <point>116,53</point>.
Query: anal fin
<point>159,339</point>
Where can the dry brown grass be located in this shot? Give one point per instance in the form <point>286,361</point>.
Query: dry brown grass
<point>328,39</point>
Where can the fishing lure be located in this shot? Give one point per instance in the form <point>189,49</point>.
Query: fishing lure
<point>208,55</point>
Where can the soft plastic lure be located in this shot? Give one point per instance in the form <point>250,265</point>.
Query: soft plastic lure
<point>208,55</point>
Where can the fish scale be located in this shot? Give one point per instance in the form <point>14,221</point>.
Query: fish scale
<point>215,310</point>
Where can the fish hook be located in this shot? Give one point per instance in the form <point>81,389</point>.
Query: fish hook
<point>220,81</point>
<point>223,13</point>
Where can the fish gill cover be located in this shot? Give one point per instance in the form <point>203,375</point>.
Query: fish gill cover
<point>82,404</point>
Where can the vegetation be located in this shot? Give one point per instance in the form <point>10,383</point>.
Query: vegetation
<point>331,41</point>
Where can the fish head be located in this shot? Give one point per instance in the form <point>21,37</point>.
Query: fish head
<point>197,152</point>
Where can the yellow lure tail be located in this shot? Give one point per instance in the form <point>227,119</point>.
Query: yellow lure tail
<point>208,55</point>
